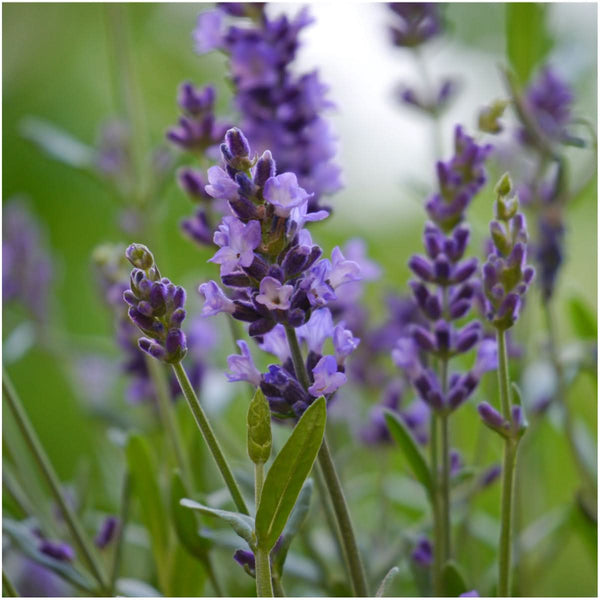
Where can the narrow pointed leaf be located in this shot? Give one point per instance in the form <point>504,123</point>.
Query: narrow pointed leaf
<point>288,473</point>
<point>294,523</point>
<point>583,318</point>
<point>154,512</point>
<point>453,580</point>
<point>243,525</point>
<point>411,450</point>
<point>185,522</point>
<point>57,143</point>
<point>388,580</point>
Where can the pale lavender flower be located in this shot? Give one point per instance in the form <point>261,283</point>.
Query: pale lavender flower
<point>274,295</point>
<point>242,366</point>
<point>327,378</point>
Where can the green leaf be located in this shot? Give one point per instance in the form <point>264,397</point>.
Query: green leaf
<point>527,41</point>
<point>135,588</point>
<point>411,450</point>
<point>453,580</point>
<point>293,526</point>
<point>57,143</point>
<point>259,429</point>
<point>154,513</point>
<point>387,582</point>
<point>26,541</point>
<point>288,472</point>
<point>582,318</point>
<point>185,522</point>
<point>243,525</point>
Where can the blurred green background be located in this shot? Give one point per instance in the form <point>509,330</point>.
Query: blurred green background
<point>57,66</point>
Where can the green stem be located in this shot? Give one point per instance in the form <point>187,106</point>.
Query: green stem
<point>277,586</point>
<point>334,487</point>
<point>71,519</point>
<point>259,477</point>
<point>508,474</point>
<point>438,532</point>
<point>167,415</point>
<point>120,541</point>
<point>209,437</point>
<point>8,589</point>
<point>264,585</point>
<point>445,485</point>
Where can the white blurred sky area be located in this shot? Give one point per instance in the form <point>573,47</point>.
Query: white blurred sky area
<point>383,145</point>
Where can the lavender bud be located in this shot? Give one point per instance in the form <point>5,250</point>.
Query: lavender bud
<point>491,417</point>
<point>107,532</point>
<point>139,256</point>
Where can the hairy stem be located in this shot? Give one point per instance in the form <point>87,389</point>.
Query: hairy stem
<point>209,437</point>
<point>264,585</point>
<point>334,487</point>
<point>438,532</point>
<point>75,527</point>
<point>508,474</point>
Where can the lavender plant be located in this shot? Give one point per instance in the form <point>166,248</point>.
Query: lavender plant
<point>506,278</point>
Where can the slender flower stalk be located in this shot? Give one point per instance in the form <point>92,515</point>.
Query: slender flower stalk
<point>156,307</point>
<point>506,277</point>
<point>123,518</point>
<point>71,519</point>
<point>334,487</point>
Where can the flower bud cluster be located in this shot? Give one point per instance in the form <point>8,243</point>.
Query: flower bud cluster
<point>445,290</point>
<point>415,23</point>
<point>459,179</point>
<point>280,109</point>
<point>156,307</point>
<point>276,274</point>
<point>506,275</point>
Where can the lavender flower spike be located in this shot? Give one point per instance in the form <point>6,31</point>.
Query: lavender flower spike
<point>156,307</point>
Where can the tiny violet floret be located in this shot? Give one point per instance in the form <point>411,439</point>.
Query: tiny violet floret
<point>274,295</point>
<point>327,378</point>
<point>284,193</point>
<point>215,300</point>
<point>242,366</point>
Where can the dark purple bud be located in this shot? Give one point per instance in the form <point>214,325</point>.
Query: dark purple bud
<point>265,168</point>
<point>179,297</point>
<point>490,416</point>
<point>130,298</point>
<point>459,308</point>
<point>464,270</point>
<point>435,400</point>
<point>258,269</point>
<point>276,272</point>
<point>246,187</point>
<point>441,268</point>
<point>467,337</point>
<point>244,312</point>
<point>517,256</point>
<point>107,531</point>
<point>296,317</point>
<point>421,267</point>
<point>58,550</point>
<point>461,238</point>
<point>442,336</point>
<point>142,321</point>
<point>456,461</point>
<point>177,317</point>
<point>246,559</point>
<point>158,295</point>
<point>239,280</point>
<point>192,182</point>
<point>152,348</point>
<point>433,307</point>
<point>243,208</point>
<point>528,275</point>
<point>294,260</point>
<point>175,346</point>
<point>518,423</point>
<point>261,326</point>
<point>423,338</point>
<point>423,553</point>
<point>490,475</point>
<point>237,143</point>
<point>456,396</point>
<point>145,308</point>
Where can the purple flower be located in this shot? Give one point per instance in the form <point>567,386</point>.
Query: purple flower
<point>242,366</point>
<point>208,34</point>
<point>275,342</point>
<point>280,110</point>
<point>423,553</point>
<point>416,23</point>
<point>470,594</point>
<point>107,531</point>
<point>238,242</point>
<point>221,185</point>
<point>215,301</point>
<point>344,342</point>
<point>284,193</point>
<point>56,549</point>
<point>327,379</point>
<point>317,329</point>
<point>274,295</point>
